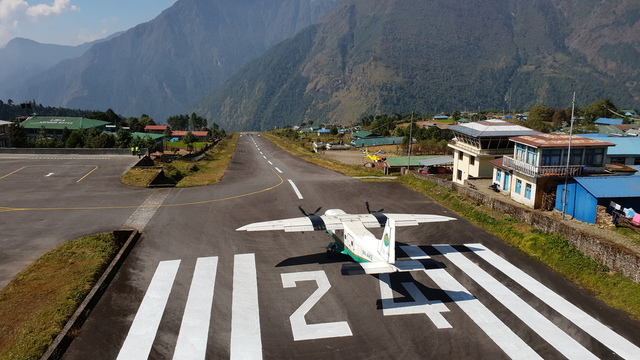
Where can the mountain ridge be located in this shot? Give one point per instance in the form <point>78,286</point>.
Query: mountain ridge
<point>388,56</point>
<point>162,66</point>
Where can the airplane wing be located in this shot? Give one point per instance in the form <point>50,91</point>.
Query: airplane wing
<point>335,222</point>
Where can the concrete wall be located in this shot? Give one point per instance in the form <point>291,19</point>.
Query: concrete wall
<point>63,151</point>
<point>617,257</point>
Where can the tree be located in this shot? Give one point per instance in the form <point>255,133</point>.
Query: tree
<point>560,117</point>
<point>75,140</point>
<point>599,109</point>
<point>178,122</point>
<point>124,138</point>
<point>189,139</point>
<point>456,115</point>
<point>540,113</point>
<point>198,123</point>
<point>18,136</point>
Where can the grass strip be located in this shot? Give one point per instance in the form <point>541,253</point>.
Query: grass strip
<point>206,171</point>
<point>552,250</point>
<point>140,177</point>
<point>36,305</point>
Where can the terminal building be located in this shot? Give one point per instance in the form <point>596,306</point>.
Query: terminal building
<point>476,144</point>
<point>55,125</point>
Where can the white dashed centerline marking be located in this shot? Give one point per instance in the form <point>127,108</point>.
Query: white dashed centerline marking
<point>278,170</point>
<point>296,189</point>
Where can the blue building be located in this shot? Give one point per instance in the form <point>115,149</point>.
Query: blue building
<point>626,150</point>
<point>586,193</point>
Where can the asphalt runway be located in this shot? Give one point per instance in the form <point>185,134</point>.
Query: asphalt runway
<point>48,200</point>
<point>193,287</point>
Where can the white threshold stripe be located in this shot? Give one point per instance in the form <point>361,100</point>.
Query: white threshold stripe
<point>140,338</point>
<point>295,188</point>
<point>246,341</point>
<point>621,346</point>
<point>194,331</point>
<point>560,340</point>
<point>500,333</point>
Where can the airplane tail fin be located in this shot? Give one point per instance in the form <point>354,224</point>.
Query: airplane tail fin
<point>387,247</point>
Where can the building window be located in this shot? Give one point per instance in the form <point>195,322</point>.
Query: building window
<point>617,160</point>
<point>551,157</point>
<point>518,186</point>
<point>593,157</point>
<point>521,152</point>
<point>576,156</point>
<point>459,174</point>
<point>527,191</point>
<point>498,175</point>
<point>460,155</point>
<point>636,161</point>
<point>472,160</point>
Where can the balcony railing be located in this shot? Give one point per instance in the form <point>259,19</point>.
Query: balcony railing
<point>547,171</point>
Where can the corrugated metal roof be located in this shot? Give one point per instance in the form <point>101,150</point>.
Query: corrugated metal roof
<point>558,140</point>
<point>60,122</point>
<point>624,145</point>
<point>377,141</point>
<point>183,133</point>
<point>608,121</point>
<point>611,186</point>
<point>492,127</point>
<point>438,160</point>
<point>393,161</point>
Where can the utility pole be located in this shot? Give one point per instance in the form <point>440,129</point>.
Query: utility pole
<point>410,142</point>
<point>566,172</point>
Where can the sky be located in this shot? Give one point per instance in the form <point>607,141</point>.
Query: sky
<point>73,22</point>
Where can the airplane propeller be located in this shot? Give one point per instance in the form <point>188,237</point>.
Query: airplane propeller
<point>310,214</point>
<point>371,212</point>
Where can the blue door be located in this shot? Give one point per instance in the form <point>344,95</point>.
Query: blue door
<point>507,179</point>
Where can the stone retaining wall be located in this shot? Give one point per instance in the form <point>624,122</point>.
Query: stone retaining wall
<point>617,257</point>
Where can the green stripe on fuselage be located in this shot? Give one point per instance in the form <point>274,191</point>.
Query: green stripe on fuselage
<point>340,248</point>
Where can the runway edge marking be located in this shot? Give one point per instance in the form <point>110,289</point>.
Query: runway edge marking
<point>560,340</point>
<point>621,346</point>
<point>488,322</point>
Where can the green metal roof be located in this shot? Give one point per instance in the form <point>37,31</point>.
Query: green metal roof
<point>362,134</point>
<point>58,122</point>
<point>394,161</point>
<point>377,141</point>
<point>143,135</point>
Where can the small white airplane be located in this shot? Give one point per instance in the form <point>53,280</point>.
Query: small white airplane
<point>373,255</point>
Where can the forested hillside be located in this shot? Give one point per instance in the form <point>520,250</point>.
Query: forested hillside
<point>163,66</point>
<point>389,56</point>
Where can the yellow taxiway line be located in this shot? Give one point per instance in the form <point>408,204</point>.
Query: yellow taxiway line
<point>6,209</point>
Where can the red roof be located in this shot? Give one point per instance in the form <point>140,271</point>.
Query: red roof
<point>156,127</point>
<point>183,133</point>
<point>557,140</point>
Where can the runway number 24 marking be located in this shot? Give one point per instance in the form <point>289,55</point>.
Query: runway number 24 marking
<point>303,331</point>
